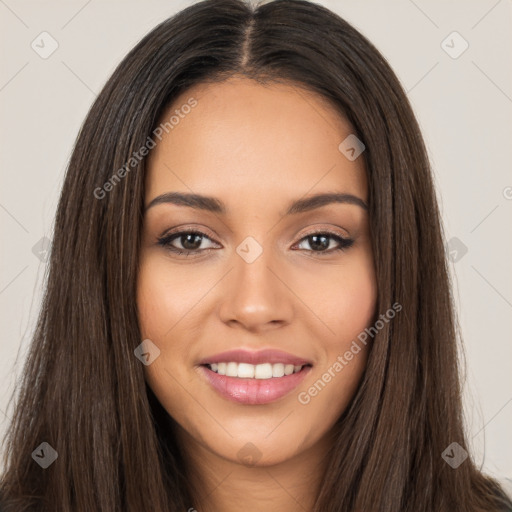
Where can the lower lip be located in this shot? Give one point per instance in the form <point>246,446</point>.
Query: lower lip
<point>254,391</point>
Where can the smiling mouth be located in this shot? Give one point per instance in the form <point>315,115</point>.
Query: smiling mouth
<point>254,371</point>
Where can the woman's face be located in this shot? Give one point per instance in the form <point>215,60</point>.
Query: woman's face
<point>257,281</point>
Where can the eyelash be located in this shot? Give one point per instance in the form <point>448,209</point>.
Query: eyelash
<point>165,241</point>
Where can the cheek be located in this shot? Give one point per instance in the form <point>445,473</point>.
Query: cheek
<point>353,304</point>
<point>348,312</point>
<point>166,296</point>
<point>347,305</point>
<point>343,297</point>
<point>158,313</point>
<point>161,302</point>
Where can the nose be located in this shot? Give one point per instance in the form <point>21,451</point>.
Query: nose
<point>255,295</point>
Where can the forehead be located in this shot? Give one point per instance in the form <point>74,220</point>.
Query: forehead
<point>254,142</point>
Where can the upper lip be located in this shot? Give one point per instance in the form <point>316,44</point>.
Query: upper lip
<point>261,356</point>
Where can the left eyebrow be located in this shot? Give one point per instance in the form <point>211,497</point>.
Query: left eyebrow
<point>214,205</point>
<point>318,200</point>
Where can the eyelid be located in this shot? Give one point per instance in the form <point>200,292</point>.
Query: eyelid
<point>344,241</point>
<point>175,234</point>
<point>332,230</point>
<point>164,240</point>
<point>201,231</point>
<point>188,229</point>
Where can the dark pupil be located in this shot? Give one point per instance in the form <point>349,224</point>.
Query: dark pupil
<point>188,238</point>
<point>315,244</point>
<point>322,245</point>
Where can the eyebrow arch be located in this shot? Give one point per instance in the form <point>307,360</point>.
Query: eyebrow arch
<point>214,205</point>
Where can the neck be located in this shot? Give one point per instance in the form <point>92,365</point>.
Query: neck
<point>223,485</point>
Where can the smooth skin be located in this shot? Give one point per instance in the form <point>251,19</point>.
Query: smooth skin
<point>256,148</point>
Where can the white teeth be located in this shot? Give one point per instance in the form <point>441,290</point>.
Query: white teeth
<point>251,371</point>
<point>232,370</point>
<point>263,371</point>
<point>278,370</point>
<point>245,371</point>
<point>288,369</point>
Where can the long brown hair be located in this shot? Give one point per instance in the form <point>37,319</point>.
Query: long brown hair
<point>83,391</point>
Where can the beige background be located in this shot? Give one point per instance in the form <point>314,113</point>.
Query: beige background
<point>464,106</point>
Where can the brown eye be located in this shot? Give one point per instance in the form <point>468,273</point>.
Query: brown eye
<point>320,242</point>
<point>190,242</point>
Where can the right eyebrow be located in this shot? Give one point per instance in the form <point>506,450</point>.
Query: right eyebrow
<point>196,201</point>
